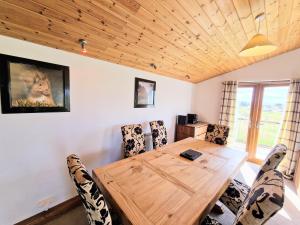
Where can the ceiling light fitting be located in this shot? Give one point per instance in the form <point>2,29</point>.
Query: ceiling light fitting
<point>153,65</point>
<point>83,43</point>
<point>259,43</point>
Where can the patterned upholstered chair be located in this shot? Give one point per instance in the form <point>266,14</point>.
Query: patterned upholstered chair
<point>159,133</point>
<point>237,192</point>
<point>273,159</point>
<point>265,198</point>
<point>91,196</point>
<point>217,134</point>
<point>235,195</point>
<point>133,139</point>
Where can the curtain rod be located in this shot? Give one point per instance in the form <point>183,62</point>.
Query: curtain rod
<point>265,81</point>
<point>285,80</point>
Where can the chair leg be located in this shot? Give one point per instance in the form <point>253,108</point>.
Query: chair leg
<point>217,209</point>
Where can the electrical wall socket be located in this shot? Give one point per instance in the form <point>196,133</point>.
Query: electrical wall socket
<point>46,203</point>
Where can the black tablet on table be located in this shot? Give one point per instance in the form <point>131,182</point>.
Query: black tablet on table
<point>190,154</point>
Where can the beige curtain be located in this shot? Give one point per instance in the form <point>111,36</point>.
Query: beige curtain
<point>228,106</point>
<point>290,131</point>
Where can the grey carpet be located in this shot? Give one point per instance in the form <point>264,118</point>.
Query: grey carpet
<point>76,216</point>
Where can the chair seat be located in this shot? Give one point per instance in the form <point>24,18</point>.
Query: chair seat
<point>235,195</point>
<point>210,221</point>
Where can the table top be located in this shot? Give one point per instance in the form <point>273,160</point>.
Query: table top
<point>198,124</point>
<point>160,187</point>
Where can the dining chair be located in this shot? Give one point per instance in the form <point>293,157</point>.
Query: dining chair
<point>273,159</point>
<point>159,133</point>
<point>266,197</point>
<point>237,191</point>
<point>217,134</point>
<point>133,139</point>
<point>90,195</point>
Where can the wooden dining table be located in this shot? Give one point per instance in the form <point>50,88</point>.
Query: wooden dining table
<point>161,187</point>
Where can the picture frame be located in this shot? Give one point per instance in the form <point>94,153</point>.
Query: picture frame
<point>31,86</point>
<point>144,93</point>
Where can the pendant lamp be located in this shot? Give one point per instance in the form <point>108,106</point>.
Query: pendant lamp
<point>258,44</point>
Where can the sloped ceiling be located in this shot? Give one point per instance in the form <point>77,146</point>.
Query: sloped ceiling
<point>198,38</point>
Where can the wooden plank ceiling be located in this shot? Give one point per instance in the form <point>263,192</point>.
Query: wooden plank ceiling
<point>198,38</point>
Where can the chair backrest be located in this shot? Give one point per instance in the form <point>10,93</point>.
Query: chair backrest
<point>265,198</point>
<point>133,139</point>
<point>91,196</point>
<point>159,133</point>
<point>273,159</point>
<point>217,134</point>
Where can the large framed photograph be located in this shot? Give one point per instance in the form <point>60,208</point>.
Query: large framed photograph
<point>30,86</point>
<point>144,93</point>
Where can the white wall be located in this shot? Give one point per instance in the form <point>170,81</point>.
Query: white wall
<point>207,94</point>
<point>33,147</point>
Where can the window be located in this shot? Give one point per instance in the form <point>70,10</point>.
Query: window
<point>259,114</point>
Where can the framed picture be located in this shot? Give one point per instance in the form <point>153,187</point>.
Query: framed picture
<point>30,86</point>
<point>144,93</point>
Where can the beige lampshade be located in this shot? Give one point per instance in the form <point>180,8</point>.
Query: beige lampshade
<point>258,45</point>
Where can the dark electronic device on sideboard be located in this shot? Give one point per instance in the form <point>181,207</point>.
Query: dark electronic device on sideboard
<point>181,120</point>
<point>192,118</point>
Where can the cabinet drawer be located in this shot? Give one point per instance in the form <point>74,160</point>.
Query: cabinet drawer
<point>195,131</point>
<point>185,130</point>
<point>201,136</point>
<point>200,130</point>
<point>189,131</point>
<point>180,128</point>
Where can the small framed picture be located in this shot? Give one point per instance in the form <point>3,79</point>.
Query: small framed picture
<point>144,93</point>
<point>30,86</point>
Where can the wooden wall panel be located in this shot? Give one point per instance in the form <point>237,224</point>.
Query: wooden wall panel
<point>199,38</point>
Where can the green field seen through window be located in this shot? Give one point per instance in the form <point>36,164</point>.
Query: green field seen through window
<point>274,102</point>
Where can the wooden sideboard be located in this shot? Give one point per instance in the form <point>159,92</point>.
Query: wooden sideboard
<point>197,130</point>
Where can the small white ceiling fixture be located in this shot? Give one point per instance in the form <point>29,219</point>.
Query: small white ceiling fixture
<point>259,43</point>
<point>83,44</point>
<point>187,77</point>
